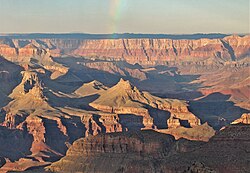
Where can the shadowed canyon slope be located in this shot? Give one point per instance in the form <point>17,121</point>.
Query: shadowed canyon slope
<point>46,122</point>
<point>124,98</point>
<point>217,62</point>
<point>226,152</point>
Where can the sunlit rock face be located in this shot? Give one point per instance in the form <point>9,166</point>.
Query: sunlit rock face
<point>47,103</point>
<point>148,151</point>
<point>143,51</point>
<point>121,149</point>
<point>153,51</point>
<point>127,101</point>
<point>244,119</point>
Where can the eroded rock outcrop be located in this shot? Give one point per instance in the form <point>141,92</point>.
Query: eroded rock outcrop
<point>91,88</point>
<point>244,119</point>
<point>30,113</point>
<point>148,151</point>
<point>152,51</point>
<point>35,119</point>
<point>198,133</point>
<point>101,123</point>
<point>143,51</point>
<point>126,100</point>
<point>33,53</point>
<point>121,149</point>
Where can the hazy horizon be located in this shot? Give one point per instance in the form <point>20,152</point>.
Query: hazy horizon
<point>136,33</point>
<point>124,16</point>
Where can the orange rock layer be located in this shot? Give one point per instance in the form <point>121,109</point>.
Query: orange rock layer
<point>143,51</point>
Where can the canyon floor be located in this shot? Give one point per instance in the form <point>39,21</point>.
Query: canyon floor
<point>135,104</point>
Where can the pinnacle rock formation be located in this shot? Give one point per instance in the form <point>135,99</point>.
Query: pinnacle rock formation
<point>142,104</point>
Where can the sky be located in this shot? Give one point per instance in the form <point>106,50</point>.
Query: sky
<point>125,16</point>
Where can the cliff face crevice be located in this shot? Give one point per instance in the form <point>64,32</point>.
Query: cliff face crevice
<point>46,103</point>
<point>143,51</point>
<point>160,51</point>
<point>148,151</point>
<point>141,109</point>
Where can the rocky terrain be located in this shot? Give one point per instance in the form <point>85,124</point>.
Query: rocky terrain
<point>50,127</point>
<point>148,151</point>
<point>142,51</point>
<point>128,152</point>
<point>54,91</point>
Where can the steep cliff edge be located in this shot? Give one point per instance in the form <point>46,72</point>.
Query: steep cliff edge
<point>121,149</point>
<point>153,51</point>
<point>146,110</point>
<point>33,53</point>
<point>142,51</point>
<point>48,106</point>
<point>9,77</point>
<point>43,134</point>
<point>148,151</point>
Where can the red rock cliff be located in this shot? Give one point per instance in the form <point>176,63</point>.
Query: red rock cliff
<point>143,51</point>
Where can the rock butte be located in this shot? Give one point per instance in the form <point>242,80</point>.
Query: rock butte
<point>50,96</point>
<point>51,130</point>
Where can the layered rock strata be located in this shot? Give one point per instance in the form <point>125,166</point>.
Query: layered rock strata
<point>147,151</point>
<point>143,51</point>
<point>127,101</point>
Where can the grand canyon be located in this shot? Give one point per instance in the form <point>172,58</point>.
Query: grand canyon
<point>135,103</point>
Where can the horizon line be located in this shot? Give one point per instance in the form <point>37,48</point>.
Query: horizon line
<point>136,33</point>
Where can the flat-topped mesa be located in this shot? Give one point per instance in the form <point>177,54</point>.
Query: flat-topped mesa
<point>125,142</point>
<point>234,134</point>
<point>129,146</point>
<point>180,130</point>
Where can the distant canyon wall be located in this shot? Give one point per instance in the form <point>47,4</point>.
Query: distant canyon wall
<point>142,51</point>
